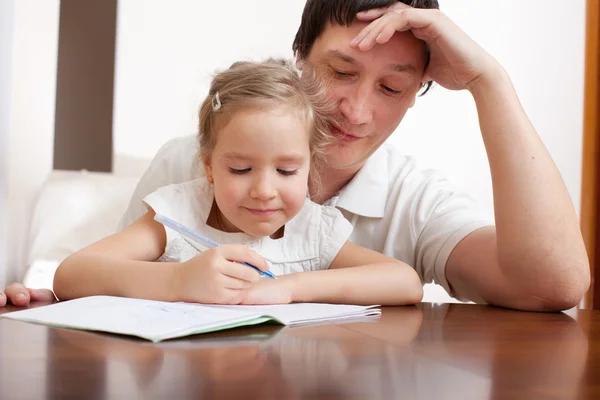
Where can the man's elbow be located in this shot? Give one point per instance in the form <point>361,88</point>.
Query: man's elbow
<point>566,291</point>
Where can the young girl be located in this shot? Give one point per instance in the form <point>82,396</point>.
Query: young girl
<point>262,133</point>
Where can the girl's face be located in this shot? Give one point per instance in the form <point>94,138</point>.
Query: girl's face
<point>260,167</point>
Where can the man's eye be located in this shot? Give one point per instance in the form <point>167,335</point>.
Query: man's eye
<point>285,172</point>
<point>390,90</point>
<point>341,74</point>
<point>239,171</point>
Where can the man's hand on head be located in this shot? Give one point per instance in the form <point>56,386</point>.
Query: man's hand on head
<point>456,61</point>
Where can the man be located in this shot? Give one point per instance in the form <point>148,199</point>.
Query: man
<point>376,55</point>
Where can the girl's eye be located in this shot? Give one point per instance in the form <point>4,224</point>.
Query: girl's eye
<point>239,171</point>
<point>287,173</point>
<point>390,90</point>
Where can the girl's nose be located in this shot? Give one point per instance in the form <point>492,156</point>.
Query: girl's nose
<point>263,190</point>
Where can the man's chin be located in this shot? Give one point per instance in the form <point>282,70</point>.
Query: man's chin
<point>340,158</point>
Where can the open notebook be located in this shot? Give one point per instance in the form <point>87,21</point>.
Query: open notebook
<point>157,320</point>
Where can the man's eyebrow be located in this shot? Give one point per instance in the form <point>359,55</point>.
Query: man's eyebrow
<point>403,68</point>
<point>341,56</point>
<point>394,67</point>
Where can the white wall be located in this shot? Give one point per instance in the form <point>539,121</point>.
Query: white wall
<point>6,37</point>
<point>541,43</point>
<point>31,130</point>
<point>166,52</point>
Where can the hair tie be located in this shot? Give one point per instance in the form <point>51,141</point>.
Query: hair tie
<point>216,102</point>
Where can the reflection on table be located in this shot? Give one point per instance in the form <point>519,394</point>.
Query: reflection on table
<point>455,351</point>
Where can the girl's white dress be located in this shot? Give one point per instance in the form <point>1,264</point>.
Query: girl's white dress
<point>310,242</point>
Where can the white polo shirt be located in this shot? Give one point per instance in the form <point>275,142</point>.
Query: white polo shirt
<point>413,215</point>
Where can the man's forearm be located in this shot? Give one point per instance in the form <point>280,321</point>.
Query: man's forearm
<point>384,284</point>
<point>538,238</point>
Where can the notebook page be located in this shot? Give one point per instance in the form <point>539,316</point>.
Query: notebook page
<point>304,313</point>
<point>153,320</point>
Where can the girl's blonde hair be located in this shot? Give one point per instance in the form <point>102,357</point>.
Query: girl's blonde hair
<point>271,82</point>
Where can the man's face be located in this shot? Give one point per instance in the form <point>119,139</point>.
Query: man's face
<point>373,89</point>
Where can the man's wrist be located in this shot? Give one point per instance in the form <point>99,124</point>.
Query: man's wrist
<point>493,80</point>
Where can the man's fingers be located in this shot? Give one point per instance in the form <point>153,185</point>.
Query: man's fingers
<point>41,295</point>
<point>375,13</point>
<point>371,14</point>
<point>17,294</point>
<point>399,6</point>
<point>385,35</point>
<point>358,39</point>
<point>377,27</point>
<point>423,23</point>
<point>2,299</point>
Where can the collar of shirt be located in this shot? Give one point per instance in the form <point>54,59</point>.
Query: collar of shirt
<point>366,194</point>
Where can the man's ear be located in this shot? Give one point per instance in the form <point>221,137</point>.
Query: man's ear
<point>299,62</point>
<point>414,99</point>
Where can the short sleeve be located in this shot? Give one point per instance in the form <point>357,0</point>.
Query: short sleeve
<point>170,202</point>
<point>443,217</point>
<point>175,162</point>
<point>334,231</point>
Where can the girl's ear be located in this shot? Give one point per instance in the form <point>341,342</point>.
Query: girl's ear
<point>207,168</point>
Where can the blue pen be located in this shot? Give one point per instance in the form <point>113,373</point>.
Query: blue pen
<point>190,234</point>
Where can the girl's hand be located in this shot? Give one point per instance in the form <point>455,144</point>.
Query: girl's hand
<point>20,296</point>
<point>216,276</point>
<point>270,291</point>
<point>457,61</point>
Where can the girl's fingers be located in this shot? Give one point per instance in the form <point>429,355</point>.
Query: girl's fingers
<point>41,295</point>
<point>235,283</point>
<point>239,272</point>
<point>240,253</point>
<point>17,294</point>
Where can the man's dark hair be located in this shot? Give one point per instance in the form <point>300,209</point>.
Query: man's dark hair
<point>317,13</point>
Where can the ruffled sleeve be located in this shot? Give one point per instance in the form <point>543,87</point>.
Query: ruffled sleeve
<point>182,203</point>
<point>334,231</point>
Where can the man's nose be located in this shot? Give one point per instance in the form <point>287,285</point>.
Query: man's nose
<point>357,105</point>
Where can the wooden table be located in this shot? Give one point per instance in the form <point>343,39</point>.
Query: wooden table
<point>455,351</point>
